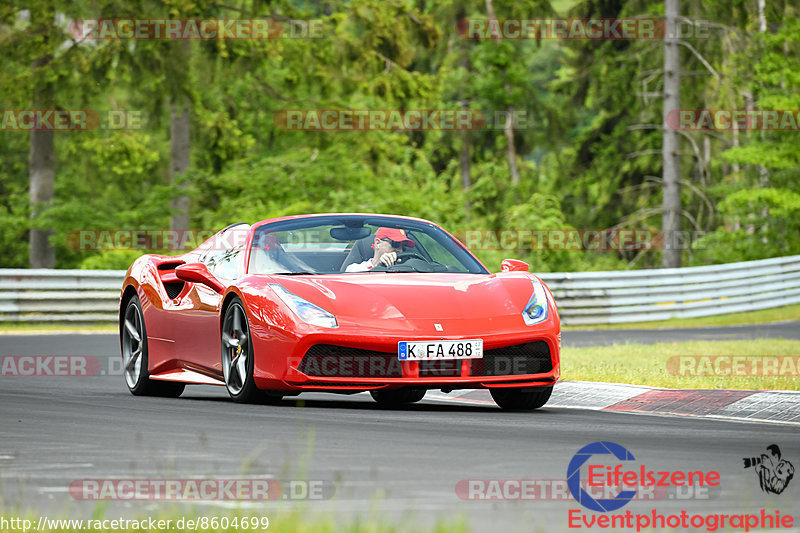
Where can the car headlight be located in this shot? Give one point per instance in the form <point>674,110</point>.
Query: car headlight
<point>307,311</point>
<point>536,309</point>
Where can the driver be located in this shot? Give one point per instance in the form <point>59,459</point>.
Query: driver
<point>388,243</point>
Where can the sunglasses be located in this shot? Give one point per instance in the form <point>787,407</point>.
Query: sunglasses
<point>395,244</point>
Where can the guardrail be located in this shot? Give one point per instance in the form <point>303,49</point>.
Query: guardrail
<point>60,295</point>
<point>660,294</point>
<point>582,297</point>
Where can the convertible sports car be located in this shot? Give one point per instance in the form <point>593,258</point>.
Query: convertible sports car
<point>298,304</point>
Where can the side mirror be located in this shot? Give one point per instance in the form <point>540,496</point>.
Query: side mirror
<point>514,265</point>
<point>198,273</point>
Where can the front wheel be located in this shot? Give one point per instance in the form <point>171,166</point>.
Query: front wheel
<point>397,397</point>
<point>521,400</point>
<point>237,358</point>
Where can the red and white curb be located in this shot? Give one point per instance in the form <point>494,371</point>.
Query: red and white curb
<point>748,405</point>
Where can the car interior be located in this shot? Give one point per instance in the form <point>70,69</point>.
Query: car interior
<point>272,257</point>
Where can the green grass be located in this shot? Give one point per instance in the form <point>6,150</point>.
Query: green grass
<point>641,364</point>
<point>35,327</point>
<point>777,314</point>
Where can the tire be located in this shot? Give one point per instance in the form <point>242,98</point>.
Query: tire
<point>133,339</point>
<point>397,397</point>
<point>521,400</point>
<point>237,358</point>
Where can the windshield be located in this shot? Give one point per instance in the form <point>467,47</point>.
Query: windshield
<point>346,244</point>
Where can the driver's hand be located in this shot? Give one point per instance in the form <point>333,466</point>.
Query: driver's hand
<point>388,259</point>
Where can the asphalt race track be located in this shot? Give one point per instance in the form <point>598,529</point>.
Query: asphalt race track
<point>402,465</point>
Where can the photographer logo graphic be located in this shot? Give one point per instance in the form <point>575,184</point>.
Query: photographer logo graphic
<point>610,471</point>
<point>574,476</point>
<point>774,473</point>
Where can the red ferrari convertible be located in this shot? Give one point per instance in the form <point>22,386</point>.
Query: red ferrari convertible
<point>339,303</point>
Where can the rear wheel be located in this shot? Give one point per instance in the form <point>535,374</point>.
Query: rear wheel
<point>521,400</point>
<point>237,358</point>
<point>133,337</point>
<point>397,397</point>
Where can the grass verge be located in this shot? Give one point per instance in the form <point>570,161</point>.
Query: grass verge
<point>646,364</point>
<point>20,328</point>
<point>777,314</point>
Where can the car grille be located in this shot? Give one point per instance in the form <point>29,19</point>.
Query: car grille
<point>328,360</point>
<point>173,288</point>
<point>528,358</point>
<point>440,369</point>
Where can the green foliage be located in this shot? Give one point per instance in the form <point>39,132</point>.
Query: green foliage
<point>588,155</point>
<point>110,260</point>
<point>759,223</point>
<point>14,223</point>
<point>115,186</point>
<point>14,206</point>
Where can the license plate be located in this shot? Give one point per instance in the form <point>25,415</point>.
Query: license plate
<point>424,350</point>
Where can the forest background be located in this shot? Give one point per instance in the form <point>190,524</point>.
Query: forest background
<point>195,143</point>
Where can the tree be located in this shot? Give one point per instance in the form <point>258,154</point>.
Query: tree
<point>42,149</point>
<point>180,140</point>
<point>592,155</point>
<point>671,147</point>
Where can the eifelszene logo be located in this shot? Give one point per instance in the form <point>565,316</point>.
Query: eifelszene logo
<point>774,473</point>
<point>611,471</point>
<point>574,477</point>
<point>597,461</point>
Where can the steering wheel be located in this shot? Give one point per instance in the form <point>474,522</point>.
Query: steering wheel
<point>409,255</point>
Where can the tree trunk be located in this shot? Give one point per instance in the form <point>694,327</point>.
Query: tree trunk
<point>762,28</point>
<point>508,129</point>
<point>179,138</point>
<point>671,204</point>
<point>492,15</point>
<point>466,168</point>
<point>512,150</point>
<point>42,180</point>
<point>180,144</point>
<point>41,160</point>
<point>466,138</point>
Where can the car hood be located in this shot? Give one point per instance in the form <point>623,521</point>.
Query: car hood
<point>413,296</point>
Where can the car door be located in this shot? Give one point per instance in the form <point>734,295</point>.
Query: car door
<point>196,315</point>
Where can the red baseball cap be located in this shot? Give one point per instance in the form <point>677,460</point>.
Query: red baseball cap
<point>393,234</point>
